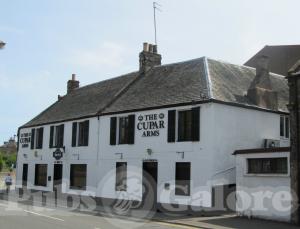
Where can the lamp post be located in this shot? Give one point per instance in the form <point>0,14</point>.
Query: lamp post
<point>2,44</point>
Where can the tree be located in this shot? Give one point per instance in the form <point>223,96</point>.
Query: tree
<point>1,163</point>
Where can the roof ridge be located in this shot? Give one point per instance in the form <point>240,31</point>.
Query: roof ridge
<point>102,81</point>
<point>180,62</point>
<point>244,66</point>
<point>208,78</point>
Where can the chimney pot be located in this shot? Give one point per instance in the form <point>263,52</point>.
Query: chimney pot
<point>149,57</point>
<point>150,48</point>
<point>72,84</point>
<point>145,47</point>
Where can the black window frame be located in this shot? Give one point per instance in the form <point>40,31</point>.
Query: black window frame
<point>123,131</point>
<point>269,165</point>
<point>37,135</point>
<point>40,177</point>
<point>73,176</point>
<point>183,179</point>
<point>80,133</point>
<point>285,126</point>
<point>184,123</point>
<point>121,176</point>
<point>57,136</point>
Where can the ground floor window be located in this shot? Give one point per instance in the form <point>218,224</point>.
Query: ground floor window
<point>121,176</point>
<point>78,176</point>
<point>268,165</point>
<point>40,178</point>
<point>183,178</point>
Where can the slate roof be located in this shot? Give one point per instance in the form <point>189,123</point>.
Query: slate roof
<point>85,101</point>
<point>282,57</point>
<point>197,80</point>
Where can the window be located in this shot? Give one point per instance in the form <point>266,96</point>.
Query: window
<point>187,127</point>
<point>183,177</point>
<point>56,136</point>
<point>122,130</point>
<point>78,176</point>
<point>268,165</point>
<point>37,138</point>
<point>83,133</point>
<point>121,176</point>
<point>284,127</point>
<point>40,178</point>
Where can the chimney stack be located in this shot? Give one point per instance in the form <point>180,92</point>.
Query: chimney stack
<point>149,57</point>
<point>260,91</point>
<point>72,84</point>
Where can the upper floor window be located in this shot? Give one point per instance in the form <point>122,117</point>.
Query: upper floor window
<point>268,165</point>
<point>37,138</point>
<point>122,130</point>
<point>80,137</point>
<point>57,136</point>
<point>187,126</point>
<point>284,127</point>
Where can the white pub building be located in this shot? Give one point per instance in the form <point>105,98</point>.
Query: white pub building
<point>178,124</point>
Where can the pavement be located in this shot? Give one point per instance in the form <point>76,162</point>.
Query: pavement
<point>28,215</point>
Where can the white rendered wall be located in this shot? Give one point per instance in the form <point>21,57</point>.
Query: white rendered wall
<point>263,195</point>
<point>223,129</point>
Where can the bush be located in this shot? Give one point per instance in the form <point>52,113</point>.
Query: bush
<point>1,164</point>
<point>10,160</point>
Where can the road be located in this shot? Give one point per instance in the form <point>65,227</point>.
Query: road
<point>14,216</point>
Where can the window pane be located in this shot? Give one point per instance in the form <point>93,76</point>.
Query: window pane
<point>78,177</point>
<point>40,175</point>
<point>185,125</point>
<point>83,135</point>
<point>183,177</point>
<point>282,126</point>
<point>267,165</point>
<point>121,176</point>
<point>123,130</point>
<point>287,127</point>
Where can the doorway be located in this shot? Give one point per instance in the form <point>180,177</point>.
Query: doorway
<point>149,200</point>
<point>57,177</point>
<point>25,175</point>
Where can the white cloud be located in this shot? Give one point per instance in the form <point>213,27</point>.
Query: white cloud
<point>108,54</point>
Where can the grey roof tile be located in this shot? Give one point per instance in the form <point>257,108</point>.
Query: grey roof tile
<point>165,85</point>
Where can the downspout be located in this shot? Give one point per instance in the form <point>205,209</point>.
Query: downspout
<point>297,142</point>
<point>98,140</point>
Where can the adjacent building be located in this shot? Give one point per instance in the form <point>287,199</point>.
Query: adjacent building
<point>170,127</point>
<point>9,146</point>
<point>282,57</point>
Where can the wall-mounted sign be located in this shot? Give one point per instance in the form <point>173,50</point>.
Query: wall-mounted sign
<point>58,154</point>
<point>151,124</point>
<point>25,139</point>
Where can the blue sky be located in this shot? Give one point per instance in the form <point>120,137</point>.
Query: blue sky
<point>47,41</point>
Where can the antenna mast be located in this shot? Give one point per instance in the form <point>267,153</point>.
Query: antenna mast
<point>155,7</point>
